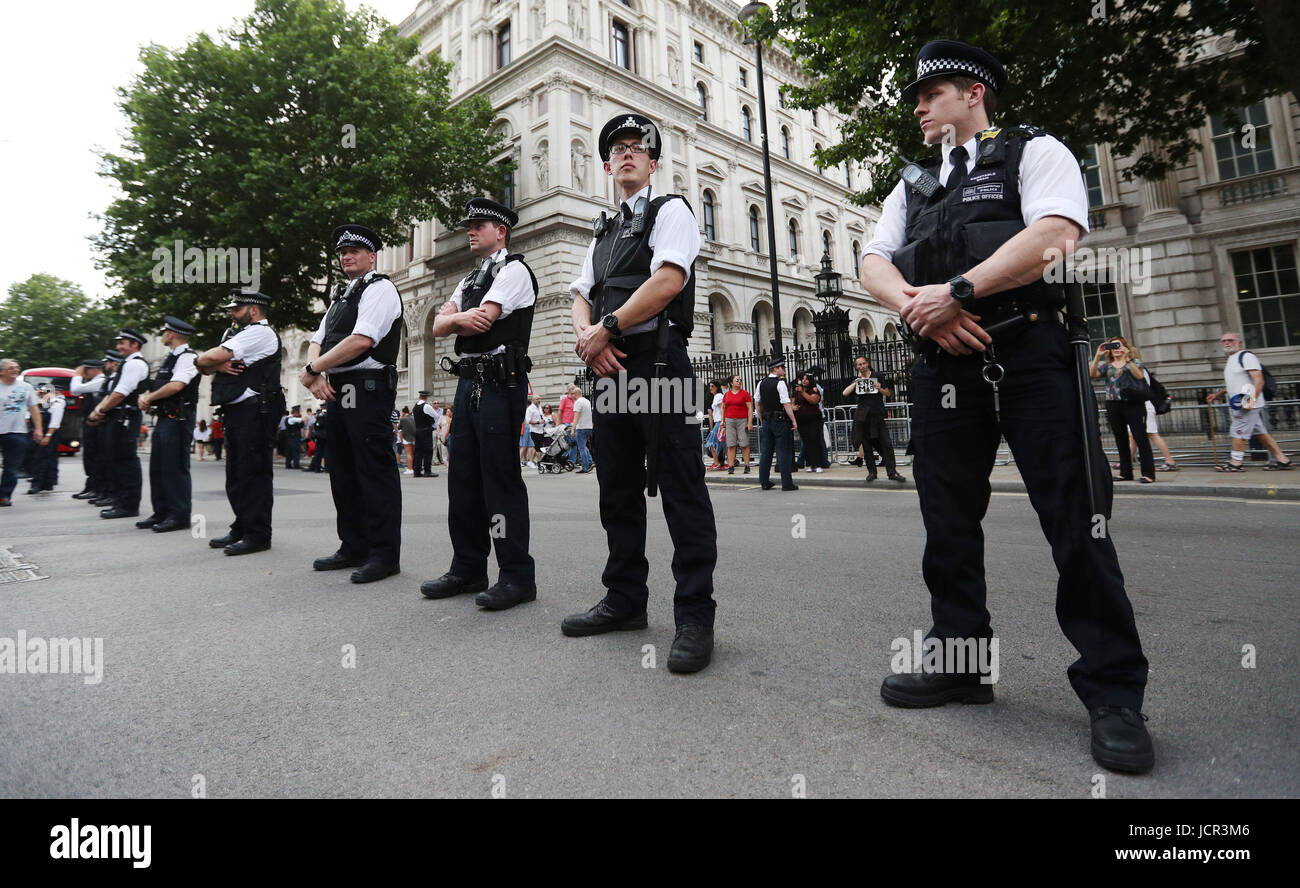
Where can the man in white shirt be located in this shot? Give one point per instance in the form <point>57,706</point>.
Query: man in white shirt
<point>536,422</point>
<point>174,397</point>
<point>120,410</point>
<point>633,307</point>
<point>426,420</point>
<point>18,401</point>
<point>352,359</point>
<point>246,388</point>
<point>1243,383</point>
<point>491,314</point>
<point>776,413</point>
<point>88,385</point>
<point>960,252</point>
<point>44,459</point>
<point>582,426</point>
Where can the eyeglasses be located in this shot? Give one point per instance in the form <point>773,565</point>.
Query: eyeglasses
<point>620,150</point>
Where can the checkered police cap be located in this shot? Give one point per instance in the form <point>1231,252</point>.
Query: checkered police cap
<point>955,59</point>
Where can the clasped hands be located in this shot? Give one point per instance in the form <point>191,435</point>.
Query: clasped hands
<point>596,349</point>
<point>932,312</point>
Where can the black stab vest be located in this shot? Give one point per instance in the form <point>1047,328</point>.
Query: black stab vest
<point>187,398</point>
<point>341,319</point>
<point>131,401</point>
<point>262,376</point>
<point>516,329</point>
<point>423,421</point>
<point>621,263</point>
<point>952,231</point>
<point>770,397</point>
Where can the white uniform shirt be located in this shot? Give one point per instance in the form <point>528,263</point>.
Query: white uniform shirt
<point>675,239</point>
<point>1050,185</point>
<point>254,342</point>
<point>57,407</point>
<point>186,368</point>
<point>380,306</point>
<point>134,371</point>
<point>512,289</point>
<point>428,408</point>
<point>79,386</point>
<point>782,391</point>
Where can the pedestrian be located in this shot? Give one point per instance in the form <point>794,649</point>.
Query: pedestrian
<point>174,397</point>
<point>808,419</point>
<point>491,314</point>
<point>1243,383</point>
<point>425,420</point>
<point>18,403</point>
<point>88,383</point>
<point>319,435</point>
<point>45,466</point>
<point>218,437</point>
<point>444,433</point>
<point>246,388</point>
<point>293,438</point>
<point>738,421</point>
<point>870,431</point>
<point>353,356</point>
<point>1118,362</point>
<point>105,481</point>
<point>938,256</point>
<point>120,412</point>
<point>775,412</point>
<point>439,456</point>
<point>202,435</point>
<point>713,444</point>
<point>535,420</point>
<point>406,431</point>
<point>633,311</point>
<point>582,425</point>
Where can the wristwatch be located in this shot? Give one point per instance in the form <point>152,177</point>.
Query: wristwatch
<point>310,372</point>
<point>963,291</point>
<point>611,324</point>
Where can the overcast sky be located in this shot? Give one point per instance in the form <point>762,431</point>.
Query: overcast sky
<point>61,64</point>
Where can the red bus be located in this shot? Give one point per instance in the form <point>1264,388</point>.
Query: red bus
<point>74,416</point>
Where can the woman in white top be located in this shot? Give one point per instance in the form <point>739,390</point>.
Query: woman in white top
<point>202,435</point>
<point>714,444</point>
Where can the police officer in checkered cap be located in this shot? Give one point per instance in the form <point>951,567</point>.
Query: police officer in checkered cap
<point>491,315</point>
<point>954,239</point>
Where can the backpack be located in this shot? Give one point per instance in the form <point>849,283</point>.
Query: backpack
<point>1160,398</point>
<point>1270,384</point>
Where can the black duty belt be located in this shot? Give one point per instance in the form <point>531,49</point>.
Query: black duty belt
<point>638,343</point>
<point>351,377</point>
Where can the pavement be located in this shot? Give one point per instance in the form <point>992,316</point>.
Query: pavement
<point>257,677</point>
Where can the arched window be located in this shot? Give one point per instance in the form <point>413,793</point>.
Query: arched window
<point>702,97</point>
<point>794,241</point>
<point>710,229</point>
<point>785,143</point>
<point>746,124</point>
<point>755,242</point>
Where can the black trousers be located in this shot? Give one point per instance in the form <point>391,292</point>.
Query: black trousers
<point>487,500</point>
<point>774,436</point>
<point>122,431</point>
<point>169,467</point>
<point>872,433</point>
<point>1125,417</point>
<point>90,447</point>
<point>217,444</point>
<point>955,446</point>
<point>812,448</point>
<point>363,474</point>
<point>424,452</point>
<point>318,455</point>
<point>292,448</point>
<point>250,467</point>
<point>45,464</point>
<point>621,439</point>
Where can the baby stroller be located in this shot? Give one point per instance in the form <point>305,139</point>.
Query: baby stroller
<point>553,459</point>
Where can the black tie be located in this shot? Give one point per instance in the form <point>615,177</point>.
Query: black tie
<point>958,159</point>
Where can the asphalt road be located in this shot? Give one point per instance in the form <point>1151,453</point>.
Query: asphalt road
<point>230,673</point>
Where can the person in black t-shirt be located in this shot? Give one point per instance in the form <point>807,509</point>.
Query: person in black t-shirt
<point>869,429</point>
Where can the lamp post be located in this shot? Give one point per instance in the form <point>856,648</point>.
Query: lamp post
<point>745,14</point>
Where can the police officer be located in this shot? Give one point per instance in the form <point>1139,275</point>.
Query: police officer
<point>88,384</point>
<point>425,419</point>
<point>105,485</point>
<point>173,396</point>
<point>45,463</point>
<point>491,313</point>
<point>120,412</point>
<point>772,397</point>
<point>352,360</point>
<point>293,438</point>
<point>638,276</point>
<point>953,241</point>
<point>246,387</point>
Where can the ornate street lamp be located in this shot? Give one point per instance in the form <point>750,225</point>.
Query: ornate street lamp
<point>829,288</point>
<point>745,14</point>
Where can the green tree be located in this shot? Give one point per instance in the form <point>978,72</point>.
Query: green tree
<point>49,322</point>
<point>1090,71</point>
<point>302,116</point>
